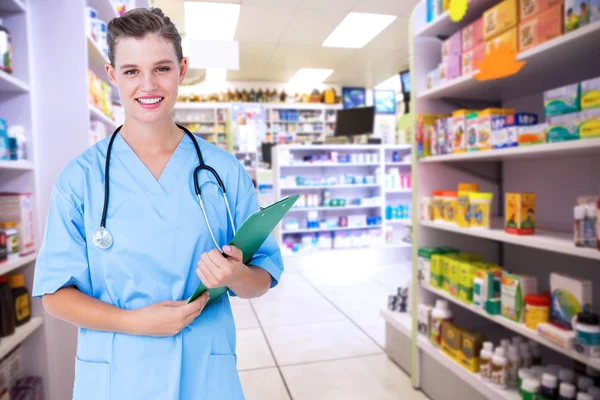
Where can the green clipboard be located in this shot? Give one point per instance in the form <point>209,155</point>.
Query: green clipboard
<point>251,235</point>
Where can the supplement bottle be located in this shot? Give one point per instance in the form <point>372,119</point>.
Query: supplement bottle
<point>530,389</point>
<point>7,308</point>
<point>485,361</point>
<point>578,216</point>
<point>566,392</point>
<point>21,299</point>
<point>587,334</point>
<point>505,343</point>
<point>514,363</point>
<point>499,368</point>
<point>549,389</point>
<point>5,49</point>
<point>439,314</point>
<point>524,373</point>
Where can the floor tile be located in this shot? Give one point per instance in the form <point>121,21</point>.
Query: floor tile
<point>373,377</point>
<point>243,314</point>
<point>263,384</point>
<point>252,350</point>
<point>294,311</point>
<point>291,286</point>
<point>295,344</point>
<point>359,299</point>
<point>373,325</point>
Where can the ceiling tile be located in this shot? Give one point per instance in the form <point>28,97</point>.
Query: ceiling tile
<point>335,5</point>
<point>262,24</point>
<point>293,56</point>
<point>392,7</point>
<point>354,77</point>
<point>270,3</point>
<point>255,54</point>
<point>312,26</point>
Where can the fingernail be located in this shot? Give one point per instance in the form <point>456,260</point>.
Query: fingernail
<point>226,248</point>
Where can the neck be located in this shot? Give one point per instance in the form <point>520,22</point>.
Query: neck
<point>154,137</point>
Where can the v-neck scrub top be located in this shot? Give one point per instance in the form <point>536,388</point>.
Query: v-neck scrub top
<point>159,235</point>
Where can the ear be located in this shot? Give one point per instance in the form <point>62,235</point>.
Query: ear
<point>183,65</point>
<point>110,73</point>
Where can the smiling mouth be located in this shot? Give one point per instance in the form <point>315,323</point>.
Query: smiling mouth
<point>150,100</point>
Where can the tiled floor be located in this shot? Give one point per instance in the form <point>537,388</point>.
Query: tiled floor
<point>318,335</point>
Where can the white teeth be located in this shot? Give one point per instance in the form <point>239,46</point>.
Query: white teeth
<point>150,101</point>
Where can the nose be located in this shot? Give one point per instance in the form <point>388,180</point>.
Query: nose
<point>149,83</point>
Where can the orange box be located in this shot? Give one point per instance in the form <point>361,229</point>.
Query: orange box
<point>500,18</point>
<point>469,57</point>
<point>531,8</point>
<point>541,28</point>
<point>472,35</point>
<point>510,37</point>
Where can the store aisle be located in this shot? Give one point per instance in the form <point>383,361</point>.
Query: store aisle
<point>318,335</point>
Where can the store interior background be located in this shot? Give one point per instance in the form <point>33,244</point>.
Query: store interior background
<point>345,321</point>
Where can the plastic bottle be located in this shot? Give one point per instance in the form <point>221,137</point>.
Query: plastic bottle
<point>524,373</point>
<point>439,314</point>
<point>499,368</point>
<point>549,389</point>
<point>485,361</point>
<point>530,389</point>
<point>536,353</point>
<point>566,391</point>
<point>6,63</point>
<point>21,299</point>
<point>514,363</point>
<point>526,360</point>
<point>595,392</point>
<point>584,396</point>
<point>566,375</point>
<point>589,226</point>
<point>505,343</point>
<point>517,340</point>
<point>587,334</point>
<point>578,217</point>
<point>7,308</point>
<point>584,383</point>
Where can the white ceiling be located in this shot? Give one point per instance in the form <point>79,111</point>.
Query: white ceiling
<point>278,37</point>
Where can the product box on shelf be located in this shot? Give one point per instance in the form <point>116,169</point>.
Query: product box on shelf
<point>10,368</point>
<point>433,78</point>
<point>470,57</point>
<point>450,68</point>
<point>570,296</point>
<point>560,337</point>
<point>472,35</point>
<point>530,8</point>
<point>509,38</point>
<point>424,319</point>
<point>18,207</point>
<point>520,213</point>
<point>500,18</point>
<point>484,133</point>
<point>458,130</point>
<point>514,289</point>
<point>452,46</point>
<point>472,123</point>
<point>4,146</point>
<point>590,124</point>
<point>576,14</point>
<point>531,134</point>
<point>590,94</point>
<point>425,124</point>
<point>467,274</point>
<point>504,128</point>
<point>563,127</point>
<point>425,255</point>
<point>562,100</point>
<point>470,350</point>
<point>594,6</point>
<point>452,340</point>
<point>541,28</point>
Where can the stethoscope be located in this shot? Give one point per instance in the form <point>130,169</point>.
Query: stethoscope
<point>103,238</point>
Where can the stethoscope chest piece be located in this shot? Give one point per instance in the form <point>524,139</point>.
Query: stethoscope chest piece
<point>103,238</point>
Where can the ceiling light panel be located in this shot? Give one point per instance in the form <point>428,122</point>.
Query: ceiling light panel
<point>358,29</point>
<point>211,21</point>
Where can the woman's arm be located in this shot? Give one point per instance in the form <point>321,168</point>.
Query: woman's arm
<point>162,319</point>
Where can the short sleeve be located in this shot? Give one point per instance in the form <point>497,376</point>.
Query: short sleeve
<point>268,256</point>
<point>62,260</point>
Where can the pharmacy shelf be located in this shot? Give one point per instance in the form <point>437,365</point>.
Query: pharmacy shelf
<point>516,327</point>
<point>334,165</point>
<point>398,163</point>
<point>486,389</point>
<point>403,221</point>
<point>443,25</point>
<point>12,6</point>
<point>95,55</point>
<point>21,334</point>
<point>99,116</point>
<point>345,228</point>
<point>398,190</point>
<point>295,122</point>
<point>529,79</point>
<point>10,266</point>
<point>557,242</point>
<point>331,147</point>
<point>348,207</point>
<point>400,321</point>
<point>105,9</point>
<point>330,187</point>
<point>17,165</point>
<point>561,149</point>
<point>9,83</point>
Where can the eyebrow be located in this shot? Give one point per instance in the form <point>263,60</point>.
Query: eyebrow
<point>165,61</point>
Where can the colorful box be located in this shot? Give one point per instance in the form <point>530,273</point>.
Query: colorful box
<point>484,133</point>
<point>562,100</point>
<point>472,35</point>
<point>541,28</point>
<point>576,14</point>
<point>594,10</point>
<point>452,46</point>
<point>454,275</point>
<point>450,68</point>
<point>470,57</point>
<point>500,18</point>
<point>530,8</point>
<point>472,123</point>
<point>509,38</point>
<point>459,129</point>
<point>590,124</point>
<point>590,94</point>
<point>514,290</point>
<point>470,350</point>
<point>18,207</point>
<point>570,296</point>
<point>531,134</point>
<point>4,147</point>
<point>467,274</point>
<point>433,78</point>
<point>425,255</point>
<point>520,213</point>
<point>504,128</point>
<point>563,127</point>
<point>452,340</point>
<point>424,124</point>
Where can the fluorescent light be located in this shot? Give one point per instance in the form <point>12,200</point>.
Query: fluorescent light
<point>310,76</point>
<point>211,21</point>
<point>392,83</point>
<point>216,74</point>
<point>358,29</point>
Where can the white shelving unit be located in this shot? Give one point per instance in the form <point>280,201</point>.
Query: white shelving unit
<point>557,173</point>
<point>213,120</point>
<point>304,129</point>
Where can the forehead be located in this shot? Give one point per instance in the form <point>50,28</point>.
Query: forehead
<point>145,50</point>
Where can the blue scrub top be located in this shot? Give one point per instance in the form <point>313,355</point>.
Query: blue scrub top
<point>159,235</point>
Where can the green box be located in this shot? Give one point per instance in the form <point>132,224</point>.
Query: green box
<point>562,100</point>
<point>564,127</point>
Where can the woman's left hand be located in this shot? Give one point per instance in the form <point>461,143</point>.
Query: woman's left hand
<point>215,271</point>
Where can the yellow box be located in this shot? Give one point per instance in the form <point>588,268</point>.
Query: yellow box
<point>467,274</point>
<point>470,350</point>
<point>461,217</point>
<point>510,38</point>
<point>452,340</point>
<point>480,209</point>
<point>520,213</point>
<point>500,18</point>
<point>458,130</point>
<point>436,279</point>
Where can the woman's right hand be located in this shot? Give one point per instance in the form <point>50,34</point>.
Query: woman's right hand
<point>167,318</point>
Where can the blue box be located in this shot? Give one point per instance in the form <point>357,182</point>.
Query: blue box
<point>4,148</point>
<point>504,128</point>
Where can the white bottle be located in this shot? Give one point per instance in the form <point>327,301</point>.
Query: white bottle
<point>526,361</point>
<point>514,363</point>
<point>485,361</point>
<point>505,343</point>
<point>439,314</point>
<point>566,391</point>
<point>499,368</point>
<point>517,340</point>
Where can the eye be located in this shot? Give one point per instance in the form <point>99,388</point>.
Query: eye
<point>163,69</point>
<point>130,72</point>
